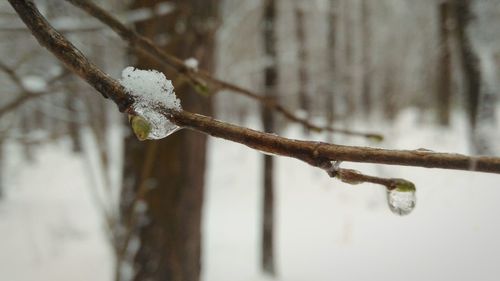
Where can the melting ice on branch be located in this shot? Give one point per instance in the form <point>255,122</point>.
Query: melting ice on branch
<point>401,199</point>
<point>151,91</point>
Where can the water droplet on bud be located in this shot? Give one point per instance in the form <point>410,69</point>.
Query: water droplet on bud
<point>151,125</point>
<point>402,199</point>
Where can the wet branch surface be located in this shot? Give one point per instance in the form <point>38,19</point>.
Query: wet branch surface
<point>318,154</point>
<point>200,78</point>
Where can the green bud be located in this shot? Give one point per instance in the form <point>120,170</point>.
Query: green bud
<point>202,89</point>
<point>140,126</point>
<point>376,138</point>
<point>402,185</point>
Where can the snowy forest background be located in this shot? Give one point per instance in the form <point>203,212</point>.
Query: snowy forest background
<point>70,167</point>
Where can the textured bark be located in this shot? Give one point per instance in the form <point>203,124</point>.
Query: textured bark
<point>316,153</point>
<point>268,122</point>
<point>170,244</point>
<point>444,64</point>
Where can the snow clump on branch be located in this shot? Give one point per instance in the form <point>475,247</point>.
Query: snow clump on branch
<point>152,92</point>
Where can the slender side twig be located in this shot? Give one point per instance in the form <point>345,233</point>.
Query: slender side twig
<point>198,77</point>
<point>69,54</point>
<point>314,153</point>
<point>26,94</point>
<point>356,177</point>
<point>62,25</point>
<point>11,73</point>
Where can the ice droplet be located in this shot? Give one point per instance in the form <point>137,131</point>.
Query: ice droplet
<point>146,125</point>
<point>401,202</point>
<point>151,91</point>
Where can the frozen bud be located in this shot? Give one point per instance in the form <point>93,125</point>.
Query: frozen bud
<point>153,97</point>
<point>401,199</point>
<point>140,126</point>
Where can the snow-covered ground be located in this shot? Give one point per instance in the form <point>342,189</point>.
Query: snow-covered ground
<point>51,229</point>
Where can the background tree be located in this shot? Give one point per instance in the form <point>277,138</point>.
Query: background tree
<point>268,122</point>
<point>444,63</point>
<point>168,176</point>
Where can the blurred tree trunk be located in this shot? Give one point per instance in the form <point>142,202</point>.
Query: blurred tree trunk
<point>27,128</point>
<point>2,161</point>
<point>469,60</point>
<point>300,33</point>
<point>390,106</point>
<point>71,104</point>
<point>444,64</point>
<point>366,67</point>
<point>350,99</point>
<point>481,98</point>
<point>268,122</point>
<point>475,93</point>
<point>331,47</point>
<point>172,170</point>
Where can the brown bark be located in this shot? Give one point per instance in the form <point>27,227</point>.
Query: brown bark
<point>316,153</point>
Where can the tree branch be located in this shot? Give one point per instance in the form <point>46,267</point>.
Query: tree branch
<point>69,54</point>
<point>355,177</point>
<point>316,153</point>
<point>197,77</point>
<point>313,153</point>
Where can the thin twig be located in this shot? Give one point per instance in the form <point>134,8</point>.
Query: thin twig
<point>198,77</point>
<point>11,73</point>
<point>26,94</point>
<point>90,25</point>
<point>354,177</point>
<point>314,153</point>
<point>69,54</point>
